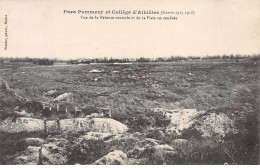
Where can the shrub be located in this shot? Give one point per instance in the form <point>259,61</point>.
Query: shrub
<point>191,133</point>
<point>146,119</point>
<point>86,151</point>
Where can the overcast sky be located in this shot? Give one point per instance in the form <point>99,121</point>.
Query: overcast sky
<point>39,28</point>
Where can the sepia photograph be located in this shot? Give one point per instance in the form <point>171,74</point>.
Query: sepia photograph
<point>129,82</point>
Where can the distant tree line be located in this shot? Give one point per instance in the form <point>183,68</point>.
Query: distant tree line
<point>47,61</point>
<point>38,61</point>
<point>99,60</point>
<point>167,59</point>
<point>79,61</point>
<point>214,57</point>
<point>111,60</point>
<point>44,61</point>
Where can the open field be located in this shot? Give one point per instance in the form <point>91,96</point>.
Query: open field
<point>222,129</point>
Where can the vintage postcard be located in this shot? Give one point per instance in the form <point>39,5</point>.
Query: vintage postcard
<point>129,82</point>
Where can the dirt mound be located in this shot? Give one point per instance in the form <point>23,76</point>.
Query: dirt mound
<point>21,124</point>
<point>216,124</point>
<point>107,125</point>
<point>181,119</point>
<point>74,125</point>
<point>62,97</point>
<point>103,125</point>
<point>116,157</point>
<point>163,147</point>
<point>95,71</point>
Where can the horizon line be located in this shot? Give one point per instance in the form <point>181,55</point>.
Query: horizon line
<point>110,57</point>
